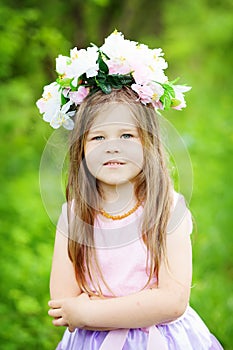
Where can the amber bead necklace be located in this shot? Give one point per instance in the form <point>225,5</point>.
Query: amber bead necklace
<point>119,217</point>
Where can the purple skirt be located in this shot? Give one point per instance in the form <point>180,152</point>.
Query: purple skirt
<point>186,333</point>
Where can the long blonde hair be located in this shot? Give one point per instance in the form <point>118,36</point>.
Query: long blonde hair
<point>152,186</point>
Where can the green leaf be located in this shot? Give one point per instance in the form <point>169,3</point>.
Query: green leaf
<point>82,78</point>
<point>102,65</point>
<point>90,81</point>
<point>63,100</point>
<point>166,100</point>
<point>101,77</point>
<point>116,86</point>
<point>175,102</point>
<point>94,90</point>
<point>64,82</point>
<point>113,79</point>
<point>173,82</point>
<point>169,89</point>
<point>106,88</point>
<point>120,78</point>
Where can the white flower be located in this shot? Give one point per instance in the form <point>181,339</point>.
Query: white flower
<point>179,96</point>
<point>50,102</point>
<point>62,118</point>
<point>50,106</point>
<point>83,61</point>
<point>158,91</point>
<point>155,59</point>
<point>74,53</point>
<point>61,64</point>
<point>120,51</point>
<point>116,47</point>
<point>148,65</point>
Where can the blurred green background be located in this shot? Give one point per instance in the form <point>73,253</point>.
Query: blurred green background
<point>196,37</point>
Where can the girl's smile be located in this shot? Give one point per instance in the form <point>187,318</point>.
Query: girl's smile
<point>113,163</point>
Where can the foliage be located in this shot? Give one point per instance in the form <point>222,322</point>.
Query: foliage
<point>196,37</point>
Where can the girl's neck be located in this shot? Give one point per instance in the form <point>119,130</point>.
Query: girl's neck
<point>118,199</point>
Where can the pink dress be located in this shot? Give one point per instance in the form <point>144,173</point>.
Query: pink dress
<point>122,258</point>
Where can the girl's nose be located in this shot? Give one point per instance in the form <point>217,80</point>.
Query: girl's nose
<point>112,147</point>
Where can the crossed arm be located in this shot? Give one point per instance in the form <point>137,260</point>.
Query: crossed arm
<point>164,303</point>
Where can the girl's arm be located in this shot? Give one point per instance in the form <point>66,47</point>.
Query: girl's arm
<point>158,305</point>
<point>63,283</point>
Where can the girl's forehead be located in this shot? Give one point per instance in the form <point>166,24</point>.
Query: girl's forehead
<point>114,114</point>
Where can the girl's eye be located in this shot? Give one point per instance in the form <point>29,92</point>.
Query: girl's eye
<point>98,138</point>
<point>126,136</point>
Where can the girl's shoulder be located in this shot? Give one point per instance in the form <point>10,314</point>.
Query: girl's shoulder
<point>62,223</point>
<point>179,212</point>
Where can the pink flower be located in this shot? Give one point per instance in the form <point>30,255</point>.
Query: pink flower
<point>144,92</point>
<point>148,93</point>
<point>158,105</point>
<point>78,96</point>
<point>118,66</point>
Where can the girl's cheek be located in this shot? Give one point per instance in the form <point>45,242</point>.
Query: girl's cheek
<point>87,149</point>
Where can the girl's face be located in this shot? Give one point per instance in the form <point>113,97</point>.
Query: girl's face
<point>113,149</point>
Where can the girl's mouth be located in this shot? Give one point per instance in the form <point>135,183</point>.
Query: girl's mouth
<point>113,163</point>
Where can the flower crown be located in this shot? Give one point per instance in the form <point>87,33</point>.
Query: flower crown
<point>117,63</point>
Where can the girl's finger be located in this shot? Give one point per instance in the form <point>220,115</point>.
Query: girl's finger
<point>55,312</point>
<point>55,304</point>
<point>59,322</point>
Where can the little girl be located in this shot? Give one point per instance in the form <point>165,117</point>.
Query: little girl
<point>122,266</point>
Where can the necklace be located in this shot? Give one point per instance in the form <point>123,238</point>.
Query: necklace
<point>119,217</point>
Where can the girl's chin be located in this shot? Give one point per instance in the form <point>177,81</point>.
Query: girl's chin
<point>115,182</point>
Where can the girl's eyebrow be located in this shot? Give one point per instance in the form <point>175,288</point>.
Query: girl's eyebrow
<point>131,128</point>
<point>95,131</point>
<point>99,131</point>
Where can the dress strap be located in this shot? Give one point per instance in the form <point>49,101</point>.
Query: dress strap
<point>115,340</point>
<point>156,339</point>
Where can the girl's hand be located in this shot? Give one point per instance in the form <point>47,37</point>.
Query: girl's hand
<point>70,312</point>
